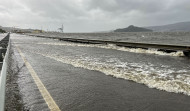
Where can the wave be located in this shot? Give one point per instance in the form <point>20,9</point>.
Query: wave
<point>162,78</point>
<point>113,46</point>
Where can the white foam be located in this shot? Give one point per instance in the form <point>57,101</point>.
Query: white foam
<point>149,75</point>
<point>112,46</point>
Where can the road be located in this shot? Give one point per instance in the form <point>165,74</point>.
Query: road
<point>68,78</point>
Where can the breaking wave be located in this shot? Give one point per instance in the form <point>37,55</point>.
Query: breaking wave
<point>113,46</point>
<point>162,78</point>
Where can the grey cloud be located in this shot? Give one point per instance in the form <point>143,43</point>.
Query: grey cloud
<point>54,9</point>
<point>145,6</point>
<point>92,15</point>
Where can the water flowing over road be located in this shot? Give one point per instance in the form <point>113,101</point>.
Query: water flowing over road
<point>91,77</point>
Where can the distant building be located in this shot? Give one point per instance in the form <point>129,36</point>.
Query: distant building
<point>21,31</point>
<point>37,31</point>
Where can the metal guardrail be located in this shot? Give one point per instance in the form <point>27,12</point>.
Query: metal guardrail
<point>161,47</point>
<point>6,44</point>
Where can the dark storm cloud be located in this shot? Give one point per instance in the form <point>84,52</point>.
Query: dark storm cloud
<point>91,15</point>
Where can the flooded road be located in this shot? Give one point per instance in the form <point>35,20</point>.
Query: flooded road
<point>101,77</point>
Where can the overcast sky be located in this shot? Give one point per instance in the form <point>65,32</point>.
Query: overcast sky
<point>91,15</point>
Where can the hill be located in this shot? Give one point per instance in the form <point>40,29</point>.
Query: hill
<point>19,30</point>
<point>2,31</point>
<point>132,28</point>
<point>180,27</point>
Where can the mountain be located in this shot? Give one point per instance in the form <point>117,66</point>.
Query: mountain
<point>132,28</point>
<point>180,26</point>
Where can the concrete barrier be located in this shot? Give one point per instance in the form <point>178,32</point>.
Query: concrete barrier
<point>7,41</point>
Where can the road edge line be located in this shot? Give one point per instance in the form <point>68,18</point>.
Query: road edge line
<point>45,94</point>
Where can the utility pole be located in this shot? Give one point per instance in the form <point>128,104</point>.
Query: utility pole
<point>61,29</point>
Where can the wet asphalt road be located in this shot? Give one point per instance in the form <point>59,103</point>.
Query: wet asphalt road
<point>80,89</point>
